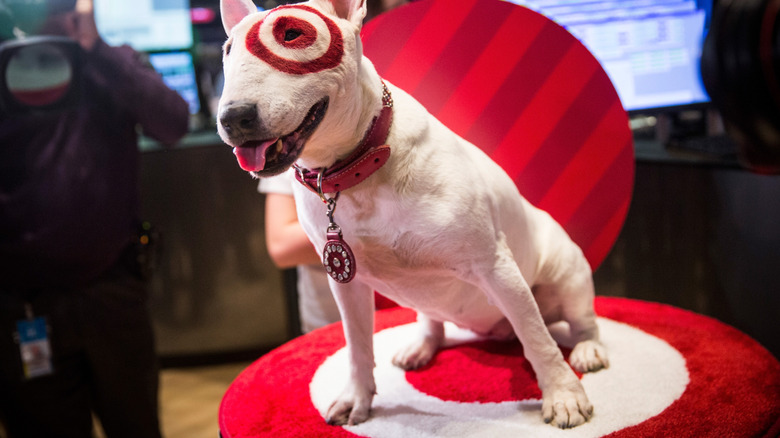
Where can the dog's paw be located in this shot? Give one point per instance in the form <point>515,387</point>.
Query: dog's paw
<point>417,354</point>
<point>589,356</point>
<point>567,406</point>
<point>350,408</point>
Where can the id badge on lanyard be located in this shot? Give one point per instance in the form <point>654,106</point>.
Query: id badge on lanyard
<point>34,345</point>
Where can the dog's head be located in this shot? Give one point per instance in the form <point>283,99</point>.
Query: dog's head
<point>289,73</point>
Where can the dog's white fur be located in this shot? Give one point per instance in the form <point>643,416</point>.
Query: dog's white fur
<point>440,228</point>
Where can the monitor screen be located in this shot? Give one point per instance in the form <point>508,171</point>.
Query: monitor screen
<point>651,49</point>
<point>145,25</point>
<point>178,72</point>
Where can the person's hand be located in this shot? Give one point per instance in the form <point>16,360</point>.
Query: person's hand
<point>85,30</point>
<point>78,24</point>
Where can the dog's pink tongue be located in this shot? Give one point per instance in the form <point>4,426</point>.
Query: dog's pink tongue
<point>251,157</point>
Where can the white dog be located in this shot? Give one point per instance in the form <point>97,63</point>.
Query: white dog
<point>423,216</point>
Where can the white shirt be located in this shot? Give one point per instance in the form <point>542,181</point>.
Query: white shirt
<point>315,302</point>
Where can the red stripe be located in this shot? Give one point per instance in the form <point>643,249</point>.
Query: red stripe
<point>611,192</point>
<point>367,30</point>
<point>541,117</point>
<point>426,43</point>
<point>588,166</point>
<point>490,70</point>
<point>577,123</point>
<point>514,95</point>
<point>598,250</point>
<point>40,96</point>
<point>384,39</point>
<point>458,57</point>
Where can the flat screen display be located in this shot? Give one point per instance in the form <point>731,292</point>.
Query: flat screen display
<point>178,72</point>
<point>145,25</point>
<point>651,49</point>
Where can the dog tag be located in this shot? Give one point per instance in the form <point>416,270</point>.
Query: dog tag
<point>337,257</point>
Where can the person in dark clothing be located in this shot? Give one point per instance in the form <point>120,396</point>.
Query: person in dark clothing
<point>69,217</point>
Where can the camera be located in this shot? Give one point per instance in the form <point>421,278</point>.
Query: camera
<point>741,72</point>
<point>39,74</point>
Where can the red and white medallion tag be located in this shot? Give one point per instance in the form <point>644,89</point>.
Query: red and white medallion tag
<point>337,257</point>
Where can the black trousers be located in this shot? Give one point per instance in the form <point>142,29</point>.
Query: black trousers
<point>104,362</point>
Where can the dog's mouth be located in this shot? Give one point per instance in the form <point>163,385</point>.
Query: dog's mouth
<point>273,156</point>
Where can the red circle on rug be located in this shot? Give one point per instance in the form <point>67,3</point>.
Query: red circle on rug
<point>511,376</point>
<point>529,94</point>
<point>734,387</point>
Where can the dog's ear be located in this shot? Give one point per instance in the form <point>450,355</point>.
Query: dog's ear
<point>352,10</point>
<point>233,11</point>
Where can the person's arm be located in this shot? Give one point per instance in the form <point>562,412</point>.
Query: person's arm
<point>287,244</point>
<point>130,84</point>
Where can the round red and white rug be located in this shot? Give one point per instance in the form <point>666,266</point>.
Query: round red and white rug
<point>672,373</point>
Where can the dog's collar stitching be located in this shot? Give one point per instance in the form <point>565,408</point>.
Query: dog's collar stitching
<point>367,158</point>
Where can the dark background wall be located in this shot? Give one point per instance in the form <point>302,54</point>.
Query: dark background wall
<point>215,292</point>
<point>702,235</point>
<point>705,238</point>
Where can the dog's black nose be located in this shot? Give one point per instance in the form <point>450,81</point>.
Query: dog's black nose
<point>239,118</point>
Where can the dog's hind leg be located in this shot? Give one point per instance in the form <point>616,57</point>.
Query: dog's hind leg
<point>572,305</point>
<point>588,354</point>
<point>568,296</point>
<point>424,347</point>
<point>574,295</point>
<point>564,402</point>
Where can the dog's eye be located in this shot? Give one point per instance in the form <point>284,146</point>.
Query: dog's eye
<point>291,34</point>
<point>228,46</point>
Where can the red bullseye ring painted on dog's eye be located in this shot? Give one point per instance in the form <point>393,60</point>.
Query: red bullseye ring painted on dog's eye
<point>307,32</point>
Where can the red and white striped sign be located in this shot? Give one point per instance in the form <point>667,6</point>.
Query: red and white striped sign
<point>529,94</point>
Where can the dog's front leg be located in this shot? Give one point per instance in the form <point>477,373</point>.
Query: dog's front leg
<point>564,402</point>
<point>356,305</point>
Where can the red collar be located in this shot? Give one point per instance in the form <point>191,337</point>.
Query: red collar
<point>366,159</point>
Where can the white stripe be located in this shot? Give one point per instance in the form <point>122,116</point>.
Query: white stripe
<point>645,376</point>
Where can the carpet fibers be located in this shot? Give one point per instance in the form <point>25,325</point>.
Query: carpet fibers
<point>672,373</point>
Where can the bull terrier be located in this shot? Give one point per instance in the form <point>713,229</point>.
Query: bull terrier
<point>423,216</point>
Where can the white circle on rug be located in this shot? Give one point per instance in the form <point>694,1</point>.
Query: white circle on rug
<point>644,377</point>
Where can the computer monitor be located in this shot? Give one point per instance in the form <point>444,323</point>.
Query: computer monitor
<point>145,25</point>
<point>651,49</point>
<point>178,72</point>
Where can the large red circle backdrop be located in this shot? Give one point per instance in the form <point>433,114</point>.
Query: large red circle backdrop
<point>526,92</point>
